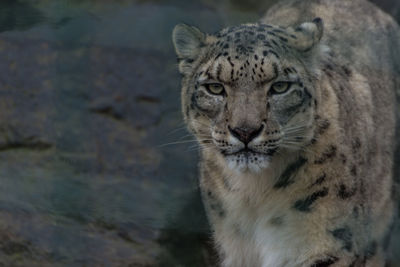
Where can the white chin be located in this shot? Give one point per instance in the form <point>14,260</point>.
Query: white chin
<point>252,162</point>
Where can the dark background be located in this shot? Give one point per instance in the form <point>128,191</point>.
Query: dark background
<point>89,102</point>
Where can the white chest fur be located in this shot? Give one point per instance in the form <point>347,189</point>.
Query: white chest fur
<point>269,240</point>
<point>260,229</point>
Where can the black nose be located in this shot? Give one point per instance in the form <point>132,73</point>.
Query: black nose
<point>245,134</point>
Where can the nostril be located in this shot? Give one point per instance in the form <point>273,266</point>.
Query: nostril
<point>245,134</point>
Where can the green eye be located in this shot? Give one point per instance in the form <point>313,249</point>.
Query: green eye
<point>280,87</point>
<point>215,88</point>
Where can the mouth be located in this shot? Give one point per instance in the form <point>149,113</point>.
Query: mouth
<point>248,159</point>
<point>246,152</point>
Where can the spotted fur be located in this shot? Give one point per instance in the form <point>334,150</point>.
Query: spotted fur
<point>302,176</point>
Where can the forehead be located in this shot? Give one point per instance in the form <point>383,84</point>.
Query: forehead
<point>245,40</point>
<point>247,54</point>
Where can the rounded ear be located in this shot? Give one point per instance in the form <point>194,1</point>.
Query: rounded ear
<point>308,34</point>
<point>187,41</point>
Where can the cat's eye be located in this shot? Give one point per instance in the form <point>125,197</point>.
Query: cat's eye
<point>280,87</point>
<point>215,88</point>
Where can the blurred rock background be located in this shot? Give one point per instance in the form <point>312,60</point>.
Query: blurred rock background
<point>89,102</point>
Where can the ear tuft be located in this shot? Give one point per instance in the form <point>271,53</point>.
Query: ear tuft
<point>308,34</point>
<point>187,41</point>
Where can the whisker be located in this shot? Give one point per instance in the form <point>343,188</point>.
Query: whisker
<point>197,135</point>
<point>183,142</point>
<point>181,127</point>
<point>304,122</point>
<point>294,138</point>
<point>187,135</point>
<point>295,133</point>
<point>289,129</point>
<point>177,142</point>
<point>199,146</point>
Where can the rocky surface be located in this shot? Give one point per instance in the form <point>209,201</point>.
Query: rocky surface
<point>89,104</point>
